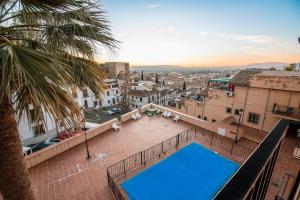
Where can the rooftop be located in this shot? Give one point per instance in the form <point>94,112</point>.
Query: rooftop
<point>242,78</point>
<point>77,177</point>
<point>69,175</point>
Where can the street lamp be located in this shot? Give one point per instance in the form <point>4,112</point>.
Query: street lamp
<point>86,142</point>
<point>237,131</point>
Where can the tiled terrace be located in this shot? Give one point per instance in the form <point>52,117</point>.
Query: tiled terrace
<point>70,176</point>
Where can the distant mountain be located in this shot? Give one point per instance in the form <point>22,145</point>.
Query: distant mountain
<point>173,68</point>
<point>277,65</point>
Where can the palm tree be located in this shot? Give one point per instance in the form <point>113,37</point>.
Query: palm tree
<point>45,47</point>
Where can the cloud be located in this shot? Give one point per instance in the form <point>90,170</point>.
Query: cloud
<point>171,29</point>
<point>153,5</point>
<point>201,32</point>
<point>258,39</point>
<point>122,34</point>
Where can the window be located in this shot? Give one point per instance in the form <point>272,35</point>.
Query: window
<point>136,106</point>
<point>228,110</point>
<point>95,103</point>
<point>237,112</point>
<point>152,98</point>
<point>205,118</point>
<point>108,101</point>
<point>38,130</point>
<point>199,116</point>
<point>107,93</point>
<point>32,115</point>
<point>253,118</point>
<point>117,91</point>
<point>133,105</point>
<point>85,92</point>
<point>213,120</point>
<point>141,99</point>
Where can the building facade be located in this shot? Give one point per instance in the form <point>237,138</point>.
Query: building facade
<point>87,99</point>
<point>115,69</point>
<point>256,98</point>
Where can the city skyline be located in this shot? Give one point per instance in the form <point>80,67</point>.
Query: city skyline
<point>206,33</point>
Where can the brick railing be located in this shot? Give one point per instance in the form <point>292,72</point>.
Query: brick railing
<point>226,129</point>
<point>128,115</point>
<point>55,149</point>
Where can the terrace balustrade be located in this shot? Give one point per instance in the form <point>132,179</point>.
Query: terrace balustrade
<point>287,111</point>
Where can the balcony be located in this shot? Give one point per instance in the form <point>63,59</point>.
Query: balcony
<point>287,112</point>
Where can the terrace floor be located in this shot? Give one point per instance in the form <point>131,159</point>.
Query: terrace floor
<point>70,176</point>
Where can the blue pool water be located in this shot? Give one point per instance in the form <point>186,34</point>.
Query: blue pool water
<point>191,173</point>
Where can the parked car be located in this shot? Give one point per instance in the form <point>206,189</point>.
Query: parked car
<point>114,111</point>
<point>44,144</point>
<point>52,140</point>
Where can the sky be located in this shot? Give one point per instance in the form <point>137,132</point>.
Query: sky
<point>204,32</point>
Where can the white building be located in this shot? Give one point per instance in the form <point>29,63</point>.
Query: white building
<point>87,99</point>
<point>31,133</point>
<point>144,92</point>
<point>35,133</point>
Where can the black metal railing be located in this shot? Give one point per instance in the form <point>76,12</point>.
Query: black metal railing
<point>156,152</point>
<point>286,111</point>
<point>252,179</point>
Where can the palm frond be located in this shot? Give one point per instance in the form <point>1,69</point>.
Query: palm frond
<point>45,48</point>
<point>86,73</point>
<point>36,78</point>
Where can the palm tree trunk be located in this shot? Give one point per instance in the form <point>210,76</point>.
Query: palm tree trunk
<point>14,176</point>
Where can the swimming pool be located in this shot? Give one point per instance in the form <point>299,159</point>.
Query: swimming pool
<point>191,173</point>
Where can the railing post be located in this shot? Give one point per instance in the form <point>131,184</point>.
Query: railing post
<point>124,166</point>
<point>141,157</point>
<point>195,132</point>
<point>211,139</point>
<point>144,158</point>
<point>231,147</point>
<point>177,140</point>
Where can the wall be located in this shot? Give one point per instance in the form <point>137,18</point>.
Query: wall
<point>27,135</point>
<point>55,149</point>
<point>214,127</point>
<point>128,115</point>
<point>289,81</point>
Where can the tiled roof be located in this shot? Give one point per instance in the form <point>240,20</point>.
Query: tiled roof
<point>242,78</point>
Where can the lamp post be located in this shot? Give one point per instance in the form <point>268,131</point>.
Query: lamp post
<point>86,142</point>
<point>237,131</point>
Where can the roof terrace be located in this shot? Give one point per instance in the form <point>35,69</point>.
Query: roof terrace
<point>62,171</point>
